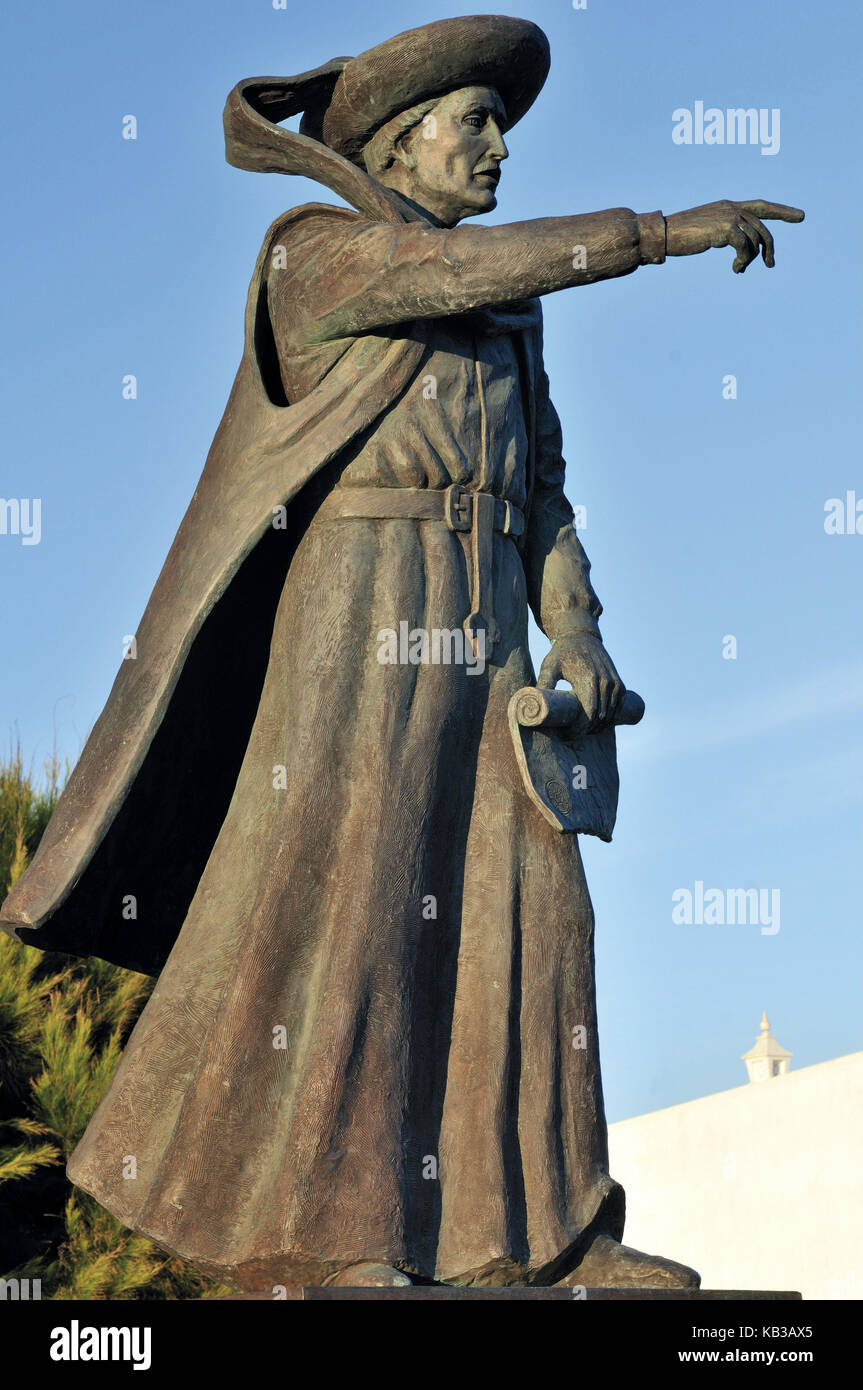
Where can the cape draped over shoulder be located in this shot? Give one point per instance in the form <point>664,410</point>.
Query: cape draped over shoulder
<point>145,801</point>
<point>138,768</point>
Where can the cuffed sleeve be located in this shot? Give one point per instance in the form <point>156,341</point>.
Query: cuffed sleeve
<point>651,238</point>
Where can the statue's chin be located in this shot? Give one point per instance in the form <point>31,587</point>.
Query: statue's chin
<point>484,201</point>
<point>476,201</point>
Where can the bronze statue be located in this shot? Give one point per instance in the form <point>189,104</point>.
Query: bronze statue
<point>371,1055</point>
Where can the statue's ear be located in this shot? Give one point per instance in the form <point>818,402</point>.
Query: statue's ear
<point>403,148</point>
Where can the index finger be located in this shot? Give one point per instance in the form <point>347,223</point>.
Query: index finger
<point>780,211</point>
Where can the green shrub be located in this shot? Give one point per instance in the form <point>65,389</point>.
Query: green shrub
<point>63,1025</point>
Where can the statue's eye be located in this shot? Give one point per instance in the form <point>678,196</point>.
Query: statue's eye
<point>476,121</point>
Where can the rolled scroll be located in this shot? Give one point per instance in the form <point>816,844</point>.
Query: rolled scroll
<point>569,773</point>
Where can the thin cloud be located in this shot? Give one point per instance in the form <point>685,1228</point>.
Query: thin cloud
<point>812,700</point>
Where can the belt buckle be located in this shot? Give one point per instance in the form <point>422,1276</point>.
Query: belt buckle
<point>457,508</point>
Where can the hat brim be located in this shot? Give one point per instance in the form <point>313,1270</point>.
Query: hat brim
<point>511,55</point>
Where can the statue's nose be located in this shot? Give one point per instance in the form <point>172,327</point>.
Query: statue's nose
<point>497,149</point>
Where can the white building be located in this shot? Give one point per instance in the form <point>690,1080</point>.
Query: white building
<point>760,1187</point>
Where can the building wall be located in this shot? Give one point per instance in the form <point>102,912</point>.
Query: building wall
<point>760,1187</point>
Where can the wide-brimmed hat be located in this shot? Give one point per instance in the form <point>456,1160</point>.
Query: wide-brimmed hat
<point>511,55</point>
<point>347,100</point>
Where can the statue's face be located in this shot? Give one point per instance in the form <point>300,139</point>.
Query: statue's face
<point>450,163</point>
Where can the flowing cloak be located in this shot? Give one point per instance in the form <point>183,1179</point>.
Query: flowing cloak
<point>145,801</point>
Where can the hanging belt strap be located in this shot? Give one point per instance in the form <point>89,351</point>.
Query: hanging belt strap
<point>482,618</point>
<point>460,510</point>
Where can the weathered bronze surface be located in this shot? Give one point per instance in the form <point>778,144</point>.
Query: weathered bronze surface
<point>374,946</point>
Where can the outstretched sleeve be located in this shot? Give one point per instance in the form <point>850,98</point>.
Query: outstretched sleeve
<point>359,276</point>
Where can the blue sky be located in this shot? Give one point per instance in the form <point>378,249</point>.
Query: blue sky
<point>705,516</point>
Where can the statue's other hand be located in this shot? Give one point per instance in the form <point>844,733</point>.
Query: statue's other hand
<point>728,224</point>
<point>583,661</point>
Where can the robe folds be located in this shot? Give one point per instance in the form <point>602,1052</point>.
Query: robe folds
<point>374,956</point>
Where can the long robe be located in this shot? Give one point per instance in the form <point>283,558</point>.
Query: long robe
<point>362,1044</point>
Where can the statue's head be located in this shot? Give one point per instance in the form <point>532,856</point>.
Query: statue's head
<point>445,153</point>
<point>425,112</point>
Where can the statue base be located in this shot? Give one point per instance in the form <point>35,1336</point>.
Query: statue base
<point>438,1293</point>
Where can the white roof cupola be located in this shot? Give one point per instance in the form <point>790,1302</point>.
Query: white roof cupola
<point>766,1059</point>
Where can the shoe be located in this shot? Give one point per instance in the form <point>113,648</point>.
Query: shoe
<point>610,1265</point>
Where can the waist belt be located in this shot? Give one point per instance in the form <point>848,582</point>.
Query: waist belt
<point>459,510</point>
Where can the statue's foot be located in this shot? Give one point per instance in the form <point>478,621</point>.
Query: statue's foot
<point>370,1276</point>
<point>610,1265</point>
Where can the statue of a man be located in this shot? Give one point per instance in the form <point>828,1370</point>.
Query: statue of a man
<point>357,1065</point>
